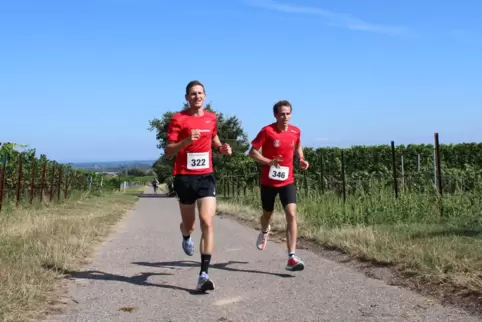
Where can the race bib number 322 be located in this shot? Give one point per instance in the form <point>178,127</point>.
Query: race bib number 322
<point>198,161</point>
<point>280,174</point>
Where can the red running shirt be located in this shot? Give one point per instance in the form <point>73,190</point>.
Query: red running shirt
<point>272,143</point>
<point>195,158</point>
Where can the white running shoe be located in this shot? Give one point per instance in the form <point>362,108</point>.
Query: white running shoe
<point>263,239</point>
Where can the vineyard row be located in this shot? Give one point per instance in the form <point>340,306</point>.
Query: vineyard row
<point>415,168</point>
<point>25,178</point>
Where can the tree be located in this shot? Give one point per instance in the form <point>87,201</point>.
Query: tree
<point>136,172</point>
<point>163,169</point>
<point>229,131</point>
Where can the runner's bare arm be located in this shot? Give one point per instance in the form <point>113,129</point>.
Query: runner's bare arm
<point>173,145</point>
<point>217,142</point>
<point>253,153</point>
<point>299,152</point>
<point>256,145</point>
<point>172,148</point>
<point>221,148</point>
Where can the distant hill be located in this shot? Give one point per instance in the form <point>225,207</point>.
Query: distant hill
<point>114,166</point>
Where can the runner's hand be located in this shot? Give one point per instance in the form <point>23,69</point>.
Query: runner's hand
<point>225,149</point>
<point>195,135</point>
<point>304,164</point>
<point>275,161</point>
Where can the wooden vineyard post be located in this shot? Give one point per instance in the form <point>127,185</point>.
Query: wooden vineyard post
<point>19,179</point>
<point>394,168</point>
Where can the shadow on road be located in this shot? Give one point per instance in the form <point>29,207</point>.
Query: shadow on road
<point>140,279</point>
<point>222,266</point>
<point>155,195</point>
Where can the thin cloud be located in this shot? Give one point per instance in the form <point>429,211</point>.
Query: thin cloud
<point>334,19</point>
<point>321,139</point>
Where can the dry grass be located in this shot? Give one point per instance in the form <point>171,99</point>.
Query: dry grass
<point>34,240</point>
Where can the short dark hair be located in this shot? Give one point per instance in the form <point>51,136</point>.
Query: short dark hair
<point>192,84</point>
<point>278,104</point>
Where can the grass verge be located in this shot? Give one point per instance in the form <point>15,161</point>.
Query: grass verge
<point>436,255</point>
<point>32,241</point>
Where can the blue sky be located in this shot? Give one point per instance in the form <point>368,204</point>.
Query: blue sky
<point>79,80</point>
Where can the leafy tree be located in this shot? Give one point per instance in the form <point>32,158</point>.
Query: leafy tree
<point>136,172</point>
<point>163,168</point>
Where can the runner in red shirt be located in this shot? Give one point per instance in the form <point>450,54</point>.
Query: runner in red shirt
<point>191,135</point>
<point>278,142</point>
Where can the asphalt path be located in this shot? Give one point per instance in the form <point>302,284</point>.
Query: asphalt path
<point>140,273</point>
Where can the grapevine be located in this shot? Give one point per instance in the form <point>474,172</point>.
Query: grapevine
<point>24,177</point>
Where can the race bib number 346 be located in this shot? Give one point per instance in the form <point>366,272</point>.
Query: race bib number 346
<point>280,174</point>
<point>198,161</point>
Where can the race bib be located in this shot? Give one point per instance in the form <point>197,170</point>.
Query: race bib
<point>198,160</point>
<point>280,174</point>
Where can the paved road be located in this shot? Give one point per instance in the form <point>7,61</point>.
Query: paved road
<point>142,266</point>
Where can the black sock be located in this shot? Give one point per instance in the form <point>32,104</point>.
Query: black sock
<point>186,237</point>
<point>205,260</point>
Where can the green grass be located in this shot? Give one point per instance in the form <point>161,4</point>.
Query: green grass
<point>411,233</point>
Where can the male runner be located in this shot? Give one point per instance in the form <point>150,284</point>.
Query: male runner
<point>154,185</point>
<point>190,136</point>
<point>278,142</point>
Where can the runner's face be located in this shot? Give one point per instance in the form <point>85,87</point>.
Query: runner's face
<point>284,115</point>
<point>196,96</point>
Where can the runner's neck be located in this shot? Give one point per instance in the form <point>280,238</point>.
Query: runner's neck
<point>196,111</point>
<point>281,127</point>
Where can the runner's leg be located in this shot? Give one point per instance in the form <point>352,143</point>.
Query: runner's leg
<point>207,210</point>
<point>268,195</point>
<point>288,201</point>
<point>188,216</point>
<point>206,194</point>
<point>188,212</point>
<point>291,227</point>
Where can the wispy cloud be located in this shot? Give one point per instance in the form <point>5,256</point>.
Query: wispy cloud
<point>334,19</point>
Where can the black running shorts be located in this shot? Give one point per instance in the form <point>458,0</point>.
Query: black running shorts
<point>287,195</point>
<point>189,187</point>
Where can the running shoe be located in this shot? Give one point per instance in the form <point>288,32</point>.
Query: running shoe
<point>188,246</point>
<point>295,264</point>
<point>263,239</point>
<point>204,283</point>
